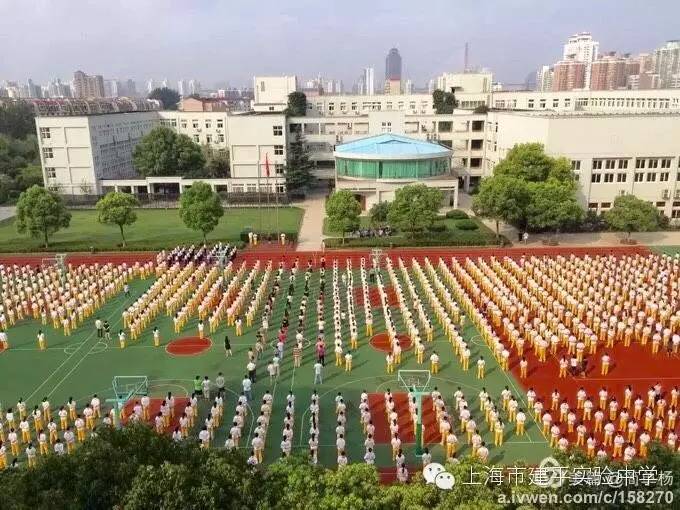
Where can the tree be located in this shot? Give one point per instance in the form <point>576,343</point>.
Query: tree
<point>298,166</point>
<point>378,213</point>
<point>41,213</point>
<point>444,102</point>
<point>502,198</point>
<point>168,97</point>
<point>415,208</point>
<point>526,161</point>
<point>482,108</point>
<point>630,214</point>
<point>553,206</point>
<point>200,208</point>
<point>342,210</point>
<point>297,104</point>
<point>17,119</point>
<point>30,175</point>
<point>164,152</point>
<point>117,208</point>
<point>217,163</point>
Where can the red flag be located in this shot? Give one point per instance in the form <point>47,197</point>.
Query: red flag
<point>266,164</point>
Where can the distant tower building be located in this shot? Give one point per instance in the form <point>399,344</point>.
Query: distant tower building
<point>150,85</point>
<point>608,73</point>
<point>568,75</point>
<point>112,88</point>
<point>182,88</point>
<point>86,86</point>
<point>544,79</point>
<point>581,47</point>
<point>408,87</point>
<point>367,79</point>
<point>393,65</point>
<point>194,87</point>
<point>131,88</point>
<point>667,63</point>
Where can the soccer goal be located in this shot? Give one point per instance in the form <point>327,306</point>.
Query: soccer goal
<point>416,383</point>
<point>125,387</point>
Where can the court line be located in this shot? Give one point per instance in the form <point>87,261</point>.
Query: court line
<point>87,339</point>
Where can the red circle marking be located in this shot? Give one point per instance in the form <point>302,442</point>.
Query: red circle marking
<point>381,342</point>
<point>188,346</point>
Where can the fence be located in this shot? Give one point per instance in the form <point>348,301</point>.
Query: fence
<point>171,200</point>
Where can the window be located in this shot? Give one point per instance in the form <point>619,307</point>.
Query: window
<point>567,103</point>
<point>44,133</point>
<point>278,168</point>
<point>331,107</point>
<point>610,164</point>
<point>530,103</point>
<point>278,150</point>
<point>651,176</point>
<point>639,163</point>
<point>595,177</point>
<point>597,164</point>
<point>556,103</point>
<point>51,172</point>
<point>653,163</point>
<point>606,205</point>
<point>386,127</point>
<point>251,188</point>
<point>278,130</point>
<point>639,176</point>
<point>220,123</point>
<point>47,152</point>
<point>261,86</point>
<point>675,213</point>
<point>184,124</point>
<point>208,124</point>
<point>280,188</point>
<point>661,204</point>
<point>663,176</point>
<point>173,123</point>
<point>237,188</point>
<point>608,177</point>
<point>194,123</point>
<point>541,103</point>
<point>220,138</point>
<point>196,139</point>
<point>666,163</point>
<point>575,164</point>
<point>208,138</point>
<point>476,145</point>
<point>623,163</point>
<point>475,162</point>
<point>620,177</point>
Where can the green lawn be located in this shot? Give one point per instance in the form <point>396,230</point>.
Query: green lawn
<point>155,229</point>
<point>668,250</point>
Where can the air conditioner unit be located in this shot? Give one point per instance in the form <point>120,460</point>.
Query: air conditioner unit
<point>666,194</point>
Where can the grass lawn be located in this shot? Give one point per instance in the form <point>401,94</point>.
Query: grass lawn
<point>155,229</point>
<point>453,236</point>
<point>668,250</point>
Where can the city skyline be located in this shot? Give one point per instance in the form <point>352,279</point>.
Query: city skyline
<point>235,43</point>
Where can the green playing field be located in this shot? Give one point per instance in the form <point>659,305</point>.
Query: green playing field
<point>82,364</point>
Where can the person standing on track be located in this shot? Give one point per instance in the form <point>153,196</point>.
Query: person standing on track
<point>99,326</point>
<point>107,330</point>
<point>227,346</point>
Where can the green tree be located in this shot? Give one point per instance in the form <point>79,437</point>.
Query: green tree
<point>41,213</point>
<point>200,208</point>
<point>17,119</point>
<point>444,102</point>
<point>30,175</point>
<point>294,482</point>
<point>342,210</point>
<point>168,97</point>
<point>164,152</point>
<point>378,213</point>
<point>217,163</point>
<point>526,161</point>
<point>415,208</point>
<point>297,104</point>
<point>502,198</point>
<point>117,208</point>
<point>630,214</point>
<point>351,488</point>
<point>553,206</point>
<point>298,166</point>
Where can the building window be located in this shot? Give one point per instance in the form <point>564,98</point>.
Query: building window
<point>608,177</point>
<point>675,213</point>
<point>208,138</point>
<point>184,124</point>
<point>278,168</point>
<point>597,164</point>
<point>196,139</point>
<point>262,86</point>
<point>220,123</point>
<point>595,177</point>
<point>278,150</point>
<point>620,177</point>
<point>47,153</point>
<point>653,163</point>
<point>567,103</point>
<point>575,164</point>
<point>606,205</point>
<point>610,164</point>
<point>208,124</point>
<point>639,163</point>
<point>475,162</point>
<point>666,163</point>
<point>386,127</point>
<point>556,103</point>
<point>194,123</point>
<point>278,130</point>
<point>51,172</point>
<point>639,176</point>
<point>220,138</point>
<point>661,204</point>
<point>530,103</point>
<point>280,188</point>
<point>623,163</point>
<point>663,176</point>
<point>651,176</point>
<point>173,123</point>
<point>44,133</point>
<point>541,103</point>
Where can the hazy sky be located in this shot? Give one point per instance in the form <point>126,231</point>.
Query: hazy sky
<point>234,40</point>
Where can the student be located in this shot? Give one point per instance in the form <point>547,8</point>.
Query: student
<point>227,346</point>
<point>99,326</point>
<point>219,383</point>
<point>318,367</point>
<point>107,330</point>
<point>156,337</point>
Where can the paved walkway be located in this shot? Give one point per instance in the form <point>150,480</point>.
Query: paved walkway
<point>7,212</point>
<point>311,230</point>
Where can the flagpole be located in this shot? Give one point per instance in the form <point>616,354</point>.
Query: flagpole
<point>259,194</point>
<point>266,168</point>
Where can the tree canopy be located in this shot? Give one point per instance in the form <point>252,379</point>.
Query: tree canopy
<point>297,104</point>
<point>378,213</point>
<point>116,208</point>
<point>298,166</point>
<point>502,198</point>
<point>200,208</point>
<point>217,163</point>
<point>41,213</point>
<point>342,210</point>
<point>631,214</point>
<point>164,152</point>
<point>415,208</point>
<point>444,102</point>
<point>167,96</point>
<point>553,206</point>
<point>17,119</point>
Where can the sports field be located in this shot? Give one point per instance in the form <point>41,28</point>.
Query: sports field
<point>82,364</point>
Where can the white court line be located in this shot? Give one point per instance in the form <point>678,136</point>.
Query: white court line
<point>65,361</point>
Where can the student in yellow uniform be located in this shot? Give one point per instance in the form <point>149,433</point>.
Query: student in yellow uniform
<point>42,343</point>
<point>434,362</point>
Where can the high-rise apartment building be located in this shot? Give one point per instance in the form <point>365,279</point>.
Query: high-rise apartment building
<point>583,48</point>
<point>544,79</point>
<point>393,65</point>
<point>88,86</point>
<point>667,63</point>
<point>150,85</point>
<point>609,73</point>
<point>568,75</point>
<point>182,88</point>
<point>194,87</point>
<point>366,84</point>
<point>113,88</point>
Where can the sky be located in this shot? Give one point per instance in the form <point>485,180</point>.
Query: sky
<point>230,41</point>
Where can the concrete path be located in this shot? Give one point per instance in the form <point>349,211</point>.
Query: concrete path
<point>311,230</point>
<point>7,212</point>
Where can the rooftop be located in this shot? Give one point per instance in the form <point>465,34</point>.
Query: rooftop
<point>391,146</point>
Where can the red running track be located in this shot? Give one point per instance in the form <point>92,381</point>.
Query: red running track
<point>78,258</point>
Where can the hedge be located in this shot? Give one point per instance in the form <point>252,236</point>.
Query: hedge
<point>466,225</point>
<point>460,238</point>
<point>457,214</point>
